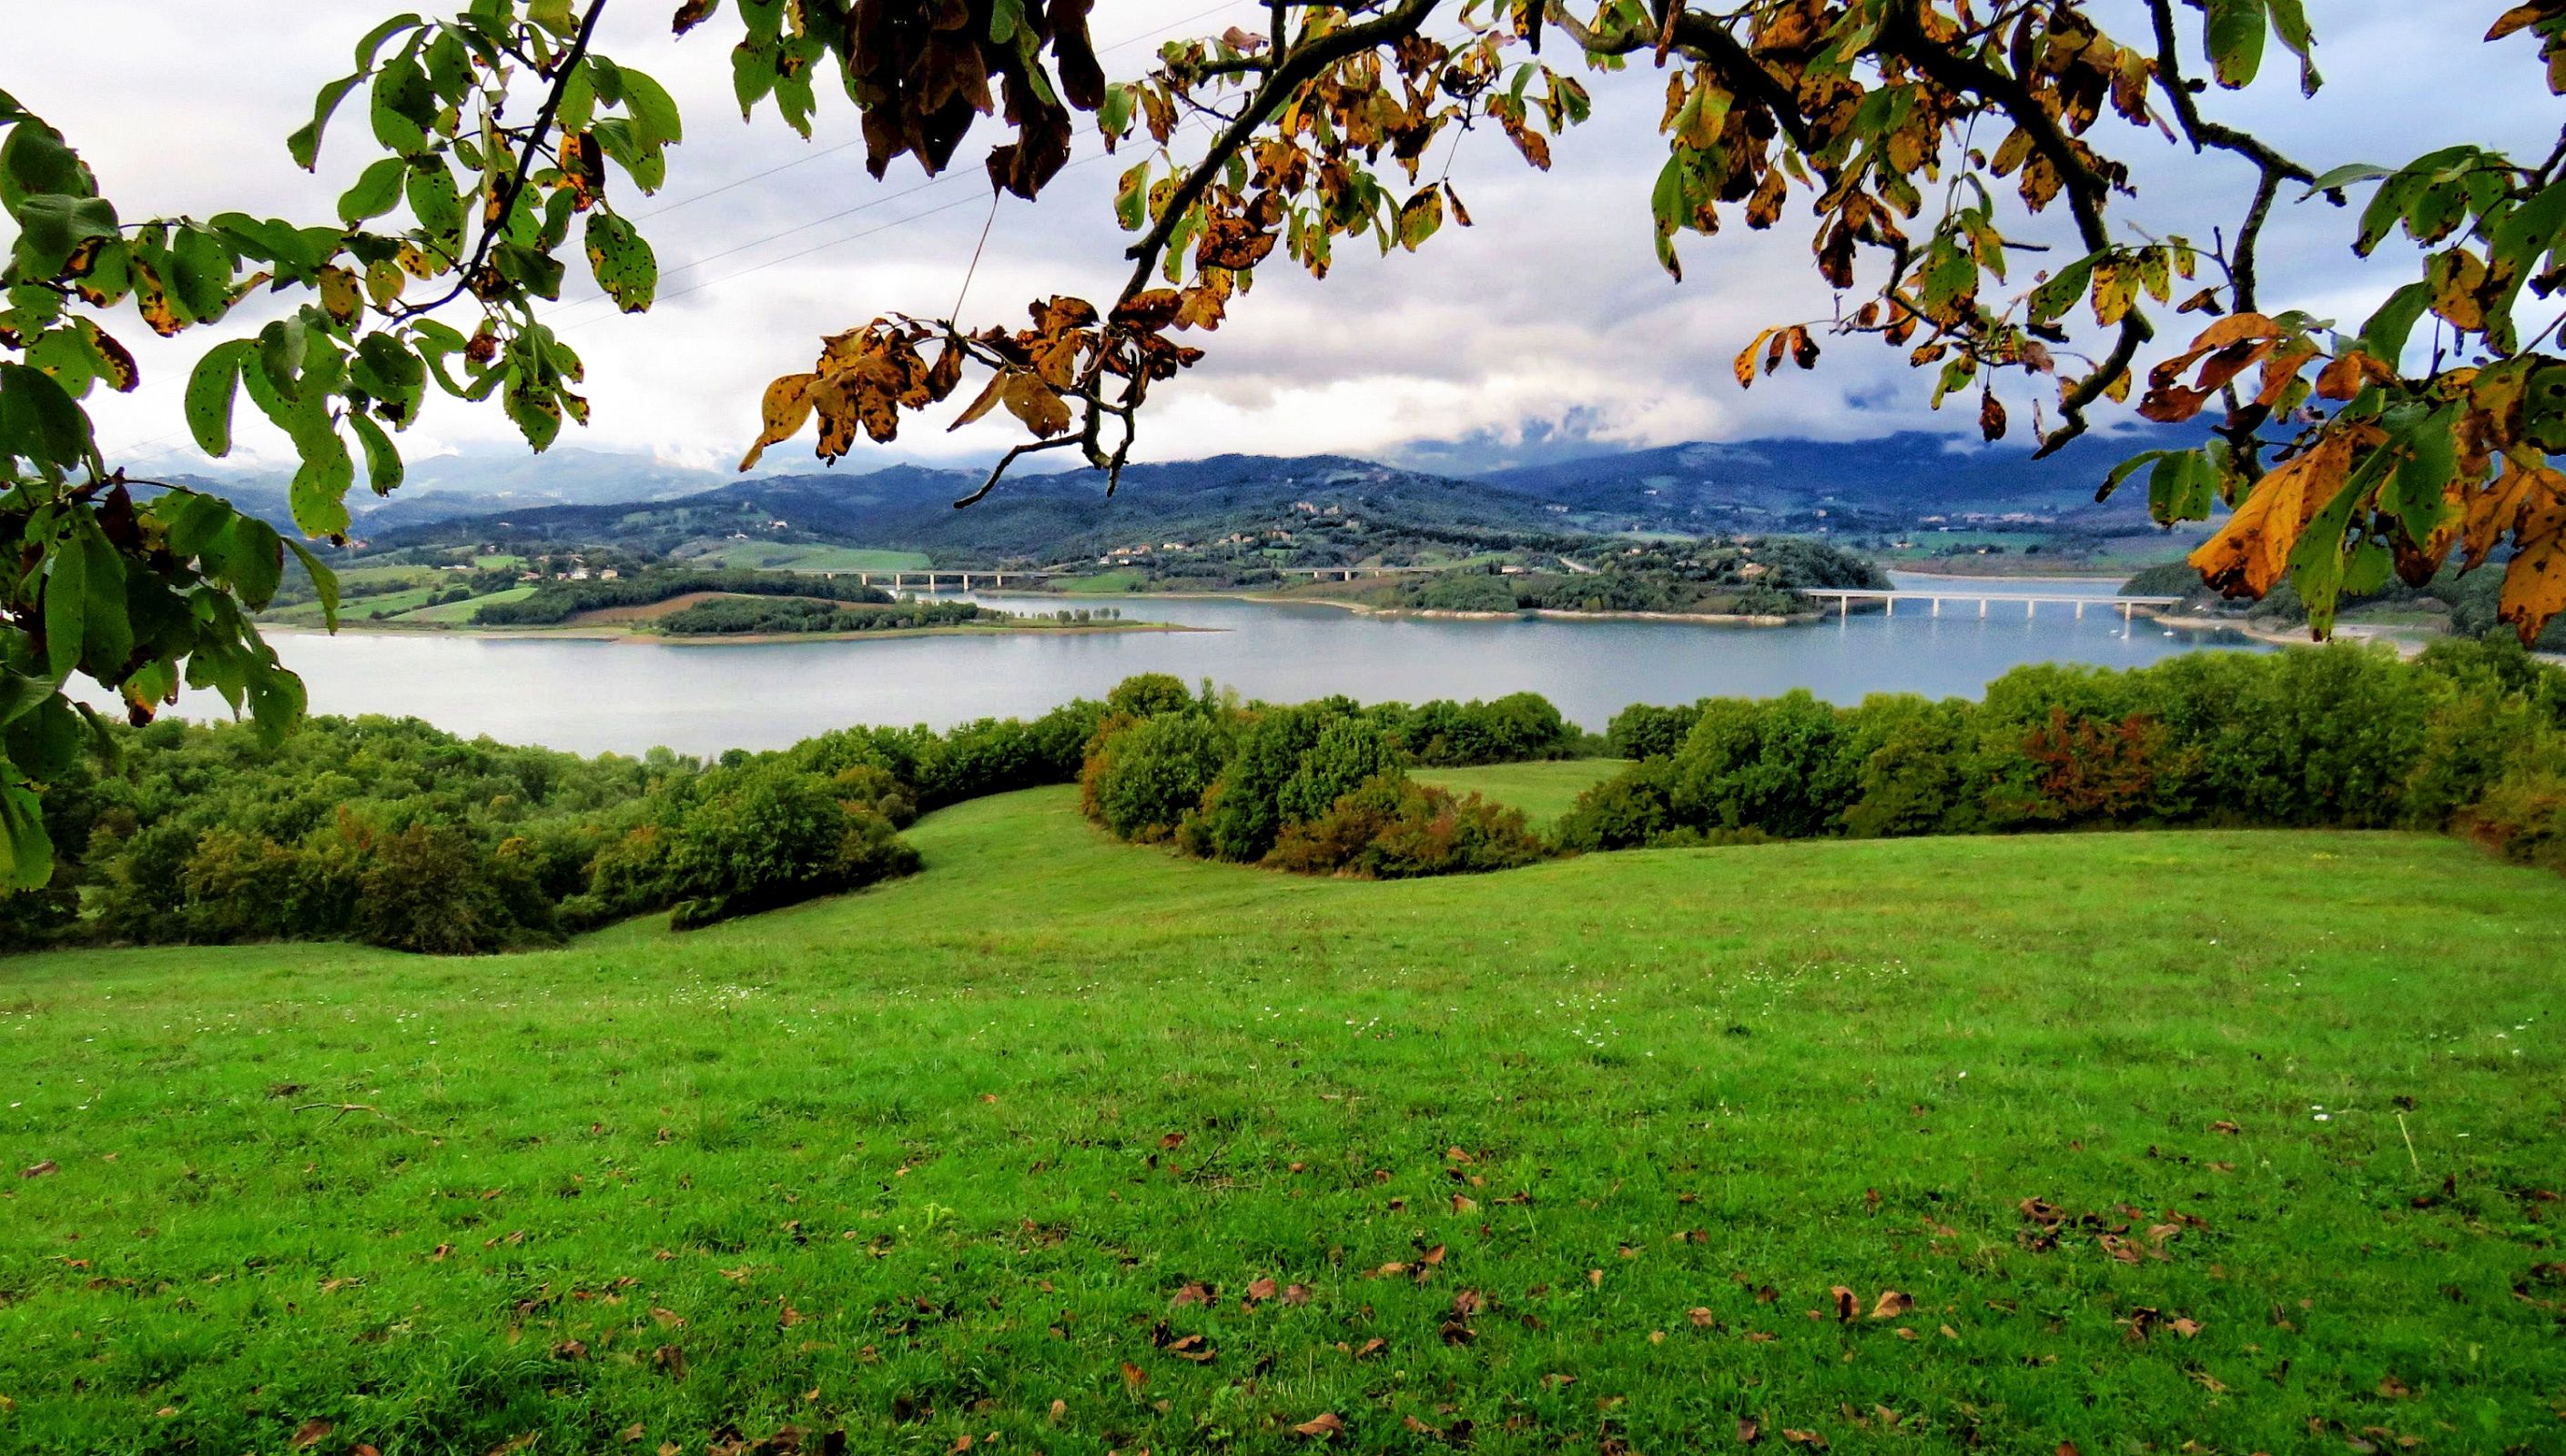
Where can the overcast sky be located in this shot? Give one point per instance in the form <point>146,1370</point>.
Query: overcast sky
<point>1551,315</point>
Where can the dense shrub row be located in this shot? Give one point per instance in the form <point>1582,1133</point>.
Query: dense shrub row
<point>558,602</point>
<point>1320,788</point>
<point>2472,734</point>
<point>733,616</point>
<point>392,832</point>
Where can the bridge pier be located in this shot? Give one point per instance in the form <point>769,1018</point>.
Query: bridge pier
<point>1938,607</point>
<point>1891,604</point>
<point>2028,606</point>
<point>2080,611</point>
<point>1982,609</point>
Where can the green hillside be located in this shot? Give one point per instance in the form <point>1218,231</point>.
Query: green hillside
<point>1575,1155</point>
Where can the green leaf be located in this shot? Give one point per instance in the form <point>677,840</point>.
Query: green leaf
<point>1420,217</point>
<point>654,111</point>
<point>405,102</point>
<point>2234,32</point>
<point>377,193</point>
<point>384,468</point>
<point>251,557</point>
<point>2384,337</point>
<point>554,16</point>
<point>324,583</point>
<point>2290,23</point>
<point>621,261</point>
<point>210,387</point>
<point>105,629</point>
<point>304,145</point>
<point>204,267</point>
<point>2055,297</point>
<point>66,607</point>
<point>41,423</point>
<point>52,224</point>
<point>34,160</point>
<point>197,520</point>
<point>2125,470</point>
<point>317,493</point>
<point>1004,17</point>
<point>2414,497</point>
<point>21,693</point>
<point>2348,175</point>
<point>436,201</point>
<point>22,822</point>
<point>752,72</point>
<point>296,252</point>
<point>281,347</point>
<point>372,44</point>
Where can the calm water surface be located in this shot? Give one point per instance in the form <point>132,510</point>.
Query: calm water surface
<point>626,696</point>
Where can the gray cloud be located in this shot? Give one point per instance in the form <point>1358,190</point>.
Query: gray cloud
<point>1548,321</point>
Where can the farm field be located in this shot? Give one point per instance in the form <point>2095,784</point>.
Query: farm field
<point>2121,1141</point>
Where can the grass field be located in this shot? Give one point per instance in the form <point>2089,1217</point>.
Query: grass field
<point>1543,790</point>
<point>459,614</point>
<point>1070,1146</point>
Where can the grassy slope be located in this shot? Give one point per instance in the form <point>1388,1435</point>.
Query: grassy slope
<point>459,614</point>
<point>924,1162</point>
<point>1543,790</point>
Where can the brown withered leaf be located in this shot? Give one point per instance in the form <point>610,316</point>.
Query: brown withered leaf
<point>2534,585</point>
<point>1701,1317</point>
<point>45,1169</point>
<point>1992,417</point>
<point>1133,1378</point>
<point>1848,1305</point>
<point>1171,1141</point>
<point>1296,1295</point>
<point>1891,1305</point>
<point>670,1360</point>
<point>1748,1432</point>
<point>1259,1289</point>
<point>1031,401</point>
<point>309,1434</point>
<point>1321,1427</point>
<point>2249,554</point>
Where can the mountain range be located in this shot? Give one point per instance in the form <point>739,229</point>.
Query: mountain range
<point>1900,483</point>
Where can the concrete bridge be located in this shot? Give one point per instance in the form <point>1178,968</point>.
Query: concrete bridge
<point>1933,598</point>
<point>931,581</point>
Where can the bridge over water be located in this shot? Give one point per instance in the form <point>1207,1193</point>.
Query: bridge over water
<point>1932,598</point>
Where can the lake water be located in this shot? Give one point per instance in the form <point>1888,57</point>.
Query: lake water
<point>626,696</point>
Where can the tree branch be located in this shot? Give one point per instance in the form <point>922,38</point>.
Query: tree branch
<point>1291,72</point>
<point>490,230</point>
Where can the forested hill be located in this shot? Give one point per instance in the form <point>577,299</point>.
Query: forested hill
<point>1895,482</point>
<point>1042,518</point>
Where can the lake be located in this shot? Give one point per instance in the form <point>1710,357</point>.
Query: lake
<point>627,696</point>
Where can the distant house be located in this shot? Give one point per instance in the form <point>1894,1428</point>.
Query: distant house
<point>609,575</point>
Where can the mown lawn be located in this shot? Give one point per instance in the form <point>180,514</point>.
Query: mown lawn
<point>1543,790</point>
<point>1079,1147</point>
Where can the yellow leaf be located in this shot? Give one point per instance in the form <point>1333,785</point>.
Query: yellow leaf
<point>786,409</point>
<point>2534,586</point>
<point>2252,551</point>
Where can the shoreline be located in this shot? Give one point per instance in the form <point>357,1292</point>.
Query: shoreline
<point>693,640</point>
<point>1366,608</point>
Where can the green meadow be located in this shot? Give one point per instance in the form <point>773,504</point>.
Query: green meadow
<point>1543,789</point>
<point>2222,1142</point>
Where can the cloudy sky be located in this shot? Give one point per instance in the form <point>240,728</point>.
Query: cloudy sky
<point>1548,318</point>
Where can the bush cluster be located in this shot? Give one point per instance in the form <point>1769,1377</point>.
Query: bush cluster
<point>394,832</point>
<point>2472,734</point>
<point>1319,788</point>
<point>733,616</point>
<point>557,601</point>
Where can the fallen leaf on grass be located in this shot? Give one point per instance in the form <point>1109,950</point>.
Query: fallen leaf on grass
<point>570,1349</point>
<point>1261,1289</point>
<point>1133,1378</point>
<point>309,1434</point>
<point>1191,1348</point>
<point>1891,1305</point>
<point>1191,1294</point>
<point>1297,1295</point>
<point>1809,1439</point>
<point>2393,1389</point>
<point>1059,1412</point>
<point>2230,1128</point>
<point>671,1361</point>
<point>1320,1426</point>
<point>1701,1317</point>
<point>633,1432</point>
<point>1847,1304</point>
<point>44,1170</point>
<point>1370,1348</point>
<point>1748,1433</point>
<point>1172,1141</point>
